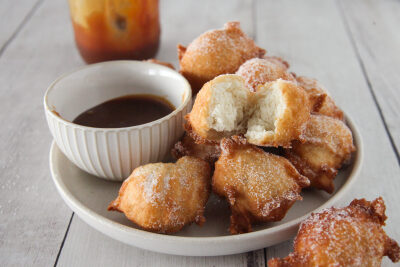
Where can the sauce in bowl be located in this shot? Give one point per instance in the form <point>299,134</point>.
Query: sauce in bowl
<point>125,111</point>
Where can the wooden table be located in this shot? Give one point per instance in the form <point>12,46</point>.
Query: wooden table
<point>352,47</point>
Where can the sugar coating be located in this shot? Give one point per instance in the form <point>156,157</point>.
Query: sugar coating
<point>258,71</point>
<point>349,236</point>
<point>331,133</point>
<point>259,186</point>
<point>264,179</point>
<point>216,52</point>
<point>214,45</point>
<point>315,89</point>
<point>163,197</point>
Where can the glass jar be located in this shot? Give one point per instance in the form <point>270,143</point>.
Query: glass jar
<point>115,29</point>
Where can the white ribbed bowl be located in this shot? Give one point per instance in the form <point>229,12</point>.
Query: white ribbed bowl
<point>112,153</point>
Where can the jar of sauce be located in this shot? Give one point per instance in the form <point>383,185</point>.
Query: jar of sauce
<point>115,29</point>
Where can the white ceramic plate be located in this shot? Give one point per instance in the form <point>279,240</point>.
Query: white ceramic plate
<point>89,196</point>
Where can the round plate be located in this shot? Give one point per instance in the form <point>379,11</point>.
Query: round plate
<point>89,196</point>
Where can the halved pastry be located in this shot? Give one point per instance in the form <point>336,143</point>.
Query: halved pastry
<point>349,236</point>
<point>280,112</point>
<point>164,197</point>
<point>327,145</point>
<point>273,116</point>
<point>259,186</point>
<point>216,52</point>
<point>220,109</point>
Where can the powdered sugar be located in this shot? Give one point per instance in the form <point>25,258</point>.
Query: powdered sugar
<point>331,133</point>
<point>163,197</point>
<point>348,236</point>
<point>258,71</point>
<point>260,181</point>
<point>217,52</point>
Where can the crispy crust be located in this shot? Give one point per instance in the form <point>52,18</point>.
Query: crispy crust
<point>349,236</point>
<point>320,101</point>
<point>164,197</point>
<point>188,147</point>
<point>197,118</point>
<point>292,122</point>
<point>197,138</point>
<point>321,178</point>
<point>216,52</point>
<point>327,145</point>
<point>329,108</point>
<point>265,194</point>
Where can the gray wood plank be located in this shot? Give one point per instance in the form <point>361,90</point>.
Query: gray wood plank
<point>374,26</point>
<point>87,247</point>
<point>99,250</point>
<point>12,16</point>
<point>33,217</point>
<point>312,37</point>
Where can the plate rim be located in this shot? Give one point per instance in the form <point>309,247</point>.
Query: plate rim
<point>82,210</point>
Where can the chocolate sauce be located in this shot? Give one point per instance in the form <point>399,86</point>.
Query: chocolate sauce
<point>125,111</point>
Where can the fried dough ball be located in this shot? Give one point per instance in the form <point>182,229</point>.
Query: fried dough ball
<point>328,144</point>
<point>349,236</point>
<point>258,71</point>
<point>188,147</point>
<point>273,116</point>
<point>259,186</point>
<point>164,197</point>
<point>216,52</point>
<point>280,112</point>
<point>220,109</point>
<point>320,100</point>
<point>159,62</point>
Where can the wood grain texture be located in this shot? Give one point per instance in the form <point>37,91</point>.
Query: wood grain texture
<point>33,216</point>
<point>311,35</point>
<point>374,27</point>
<point>313,38</point>
<point>13,16</point>
<point>85,246</point>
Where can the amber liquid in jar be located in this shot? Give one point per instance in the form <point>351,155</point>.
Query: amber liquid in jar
<point>115,29</point>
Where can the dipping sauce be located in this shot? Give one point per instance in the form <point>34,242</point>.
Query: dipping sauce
<point>126,111</point>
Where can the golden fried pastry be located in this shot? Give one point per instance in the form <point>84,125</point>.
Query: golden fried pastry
<point>156,61</point>
<point>220,109</point>
<point>216,52</point>
<point>188,147</point>
<point>328,143</point>
<point>258,71</point>
<point>164,197</point>
<point>321,102</point>
<point>259,186</point>
<point>349,236</point>
<point>273,116</point>
<point>279,115</point>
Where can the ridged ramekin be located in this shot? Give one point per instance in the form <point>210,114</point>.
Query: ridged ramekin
<point>113,153</point>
